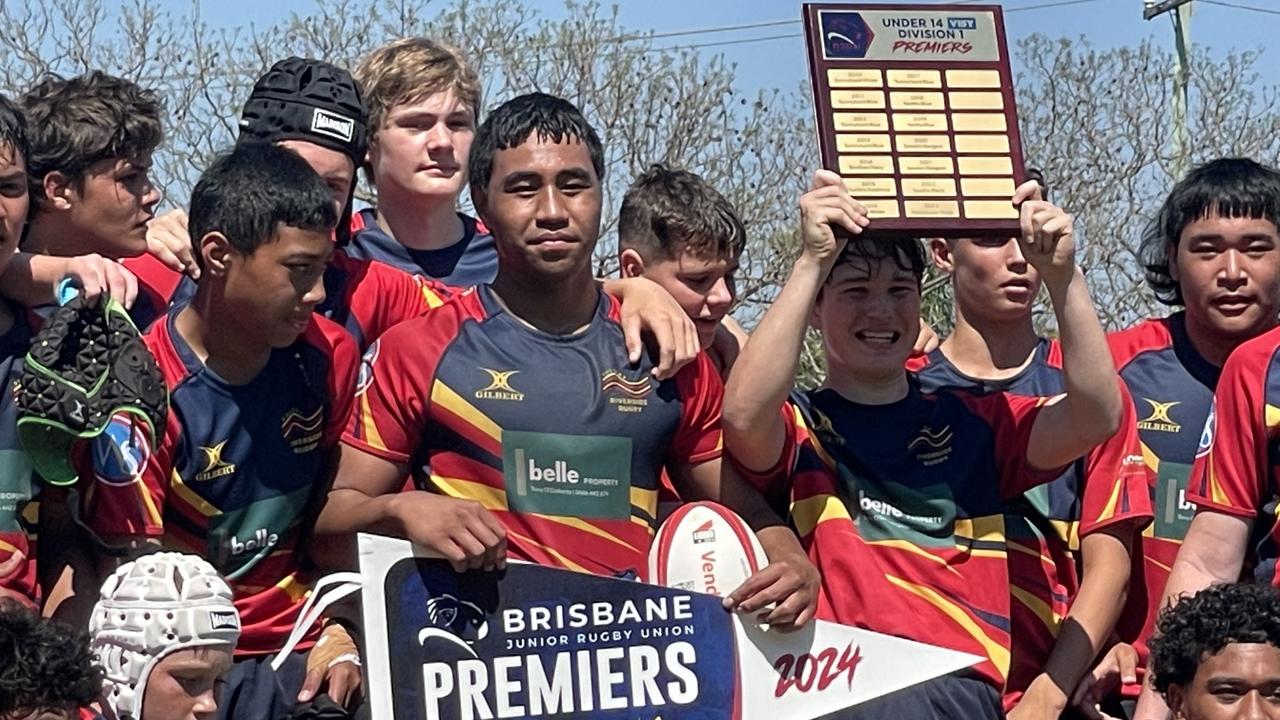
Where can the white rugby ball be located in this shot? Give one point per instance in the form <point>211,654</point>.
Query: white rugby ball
<point>704,547</point>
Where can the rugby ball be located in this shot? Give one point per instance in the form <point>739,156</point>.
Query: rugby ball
<point>704,547</point>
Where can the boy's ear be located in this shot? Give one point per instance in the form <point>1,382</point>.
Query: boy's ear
<point>59,193</point>
<point>1176,699</point>
<point>1172,253</point>
<point>630,264</point>
<point>940,253</point>
<point>215,250</point>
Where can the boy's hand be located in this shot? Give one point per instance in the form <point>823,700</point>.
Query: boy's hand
<point>1118,667</point>
<point>827,207</point>
<point>96,275</point>
<point>169,241</point>
<point>790,583</point>
<point>461,531</point>
<point>333,666</point>
<point>1046,238</point>
<point>647,308</point>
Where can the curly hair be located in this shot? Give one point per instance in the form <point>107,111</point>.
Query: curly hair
<point>44,665</point>
<point>1227,187</point>
<point>74,123</point>
<point>1205,623</point>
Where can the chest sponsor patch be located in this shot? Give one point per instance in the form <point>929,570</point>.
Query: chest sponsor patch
<point>569,475</point>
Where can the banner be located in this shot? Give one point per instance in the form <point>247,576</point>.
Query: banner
<point>533,642</point>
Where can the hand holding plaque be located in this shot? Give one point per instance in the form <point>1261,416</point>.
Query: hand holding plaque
<point>915,111</point>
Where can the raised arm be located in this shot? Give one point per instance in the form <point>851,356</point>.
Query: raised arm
<point>765,370</point>
<point>1090,411</point>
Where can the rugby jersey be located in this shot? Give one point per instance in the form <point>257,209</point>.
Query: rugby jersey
<point>19,487</point>
<point>237,472</point>
<point>901,508</point>
<point>473,260</point>
<point>1044,526</point>
<point>559,435</point>
<point>1172,390</point>
<point>1239,452</point>
<point>367,297</point>
<point>159,287</point>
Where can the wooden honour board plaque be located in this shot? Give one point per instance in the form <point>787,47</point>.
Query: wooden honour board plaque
<point>915,110</point>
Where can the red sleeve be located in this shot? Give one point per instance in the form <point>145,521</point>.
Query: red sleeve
<point>393,391</point>
<point>127,479</point>
<point>699,438</point>
<point>1011,418</point>
<point>345,357</point>
<point>381,296</point>
<point>1117,479</point>
<point>1231,477</point>
<point>155,278</point>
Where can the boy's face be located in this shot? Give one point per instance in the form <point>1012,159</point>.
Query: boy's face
<point>703,285</point>
<point>422,147</point>
<point>991,278</point>
<point>275,288</point>
<point>13,201</point>
<point>543,206</point>
<point>1229,272</point>
<point>1240,683</point>
<point>337,169</point>
<point>869,315</point>
<point>112,205</point>
<point>185,685</point>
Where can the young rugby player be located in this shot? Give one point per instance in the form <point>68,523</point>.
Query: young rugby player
<point>260,388</point>
<point>1216,656</point>
<point>1089,517</point>
<point>898,494</point>
<point>1213,250</point>
<point>504,387</point>
<point>46,669</point>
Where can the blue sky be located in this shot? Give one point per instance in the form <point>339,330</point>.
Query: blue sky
<point>780,63</point>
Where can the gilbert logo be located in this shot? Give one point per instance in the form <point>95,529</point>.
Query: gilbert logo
<point>932,446</point>
<point>499,387</point>
<point>1159,419</point>
<point>214,466</point>
<point>261,540</point>
<point>220,620</point>
<point>332,124</point>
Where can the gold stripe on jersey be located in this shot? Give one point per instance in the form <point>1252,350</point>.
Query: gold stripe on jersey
<point>1272,416</point>
<point>987,529</point>
<point>1041,609</point>
<point>1028,551</point>
<point>998,654</point>
<point>646,500</point>
<point>445,397</point>
<point>566,562</point>
<point>1068,531</point>
<point>815,509</point>
<point>6,547</point>
<point>369,426</point>
<point>1148,456</point>
<point>908,546</point>
<point>188,496</point>
<point>292,587</point>
<point>492,498</point>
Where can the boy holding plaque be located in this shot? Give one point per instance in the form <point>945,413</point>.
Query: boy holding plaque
<point>899,494</point>
<point>1087,518</point>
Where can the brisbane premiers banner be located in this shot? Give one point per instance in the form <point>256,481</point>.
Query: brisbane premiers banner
<point>536,642</point>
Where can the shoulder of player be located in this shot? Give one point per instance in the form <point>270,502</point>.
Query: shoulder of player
<point>989,408</point>
<point>159,340</point>
<point>1254,355</point>
<point>434,331</point>
<point>1150,335</point>
<point>154,277</point>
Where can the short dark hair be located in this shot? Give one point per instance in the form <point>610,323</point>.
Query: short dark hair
<point>511,124</point>
<point>1227,187</point>
<point>906,253</point>
<point>667,211</point>
<point>44,665</point>
<point>72,124</point>
<point>247,193</point>
<point>1203,624</point>
<point>13,128</point>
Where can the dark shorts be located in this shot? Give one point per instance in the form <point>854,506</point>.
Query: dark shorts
<point>949,697</point>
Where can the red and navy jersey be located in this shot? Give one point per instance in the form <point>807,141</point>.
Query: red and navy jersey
<point>19,487</point>
<point>473,260</point>
<point>559,435</point>
<point>367,297</point>
<point>159,288</point>
<point>237,472</point>
<point>901,508</point>
<point>1043,527</point>
<point>1172,390</point>
<point>1238,474</point>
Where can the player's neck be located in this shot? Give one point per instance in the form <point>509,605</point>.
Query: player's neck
<point>51,233</point>
<point>218,341</point>
<point>867,389</point>
<point>419,225</point>
<point>990,349</point>
<point>1215,346</point>
<point>557,307</point>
